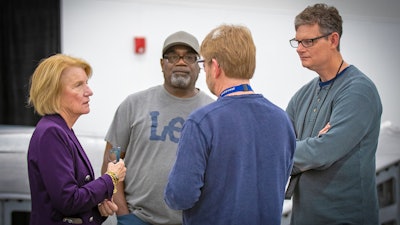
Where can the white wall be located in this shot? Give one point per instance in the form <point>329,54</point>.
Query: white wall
<point>102,32</point>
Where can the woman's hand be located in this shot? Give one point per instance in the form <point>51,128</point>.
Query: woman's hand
<point>107,207</point>
<point>118,169</point>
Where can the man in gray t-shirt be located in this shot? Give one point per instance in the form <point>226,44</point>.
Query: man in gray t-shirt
<point>147,127</point>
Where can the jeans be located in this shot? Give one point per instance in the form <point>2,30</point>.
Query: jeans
<point>130,219</point>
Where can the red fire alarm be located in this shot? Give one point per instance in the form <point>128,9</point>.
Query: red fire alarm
<point>140,45</point>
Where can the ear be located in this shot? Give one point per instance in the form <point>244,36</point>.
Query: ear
<point>216,68</point>
<point>162,64</point>
<point>335,38</point>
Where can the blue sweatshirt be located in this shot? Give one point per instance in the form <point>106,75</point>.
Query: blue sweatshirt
<point>233,161</point>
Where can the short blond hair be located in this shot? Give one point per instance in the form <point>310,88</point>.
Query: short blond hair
<point>45,82</point>
<point>234,49</point>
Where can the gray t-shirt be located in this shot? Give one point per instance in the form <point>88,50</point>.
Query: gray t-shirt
<point>148,125</point>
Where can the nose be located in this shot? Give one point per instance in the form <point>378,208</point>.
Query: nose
<point>300,48</point>
<point>180,61</point>
<point>88,91</point>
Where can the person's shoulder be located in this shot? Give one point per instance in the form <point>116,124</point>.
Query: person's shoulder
<point>204,111</point>
<point>352,72</point>
<point>355,77</point>
<point>50,124</point>
<point>145,93</point>
<point>152,89</point>
<point>205,97</point>
<point>53,120</point>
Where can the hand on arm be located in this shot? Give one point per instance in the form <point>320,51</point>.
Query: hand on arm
<point>325,129</point>
<point>118,169</point>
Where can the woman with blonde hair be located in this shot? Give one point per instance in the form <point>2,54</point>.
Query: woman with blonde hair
<point>61,178</point>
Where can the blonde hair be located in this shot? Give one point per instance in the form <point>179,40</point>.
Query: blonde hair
<point>233,47</point>
<point>45,82</point>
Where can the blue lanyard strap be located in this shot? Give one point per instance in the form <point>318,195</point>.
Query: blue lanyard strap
<point>242,87</point>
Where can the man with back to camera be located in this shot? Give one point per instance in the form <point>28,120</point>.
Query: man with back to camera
<point>147,125</point>
<point>235,155</point>
<point>337,121</point>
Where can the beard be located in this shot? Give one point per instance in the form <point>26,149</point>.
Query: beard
<point>180,81</point>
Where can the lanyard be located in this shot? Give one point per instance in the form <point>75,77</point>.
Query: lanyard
<point>242,87</point>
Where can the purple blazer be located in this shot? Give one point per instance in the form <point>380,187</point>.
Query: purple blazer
<point>61,177</point>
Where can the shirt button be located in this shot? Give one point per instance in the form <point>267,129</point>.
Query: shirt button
<point>87,178</point>
<point>315,110</point>
<point>91,219</point>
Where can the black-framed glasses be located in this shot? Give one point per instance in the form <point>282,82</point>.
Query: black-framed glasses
<point>306,42</point>
<point>174,58</point>
<point>201,63</point>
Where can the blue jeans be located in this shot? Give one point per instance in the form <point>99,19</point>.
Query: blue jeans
<point>130,219</point>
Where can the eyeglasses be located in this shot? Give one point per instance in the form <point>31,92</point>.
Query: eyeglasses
<point>174,58</point>
<point>201,63</point>
<point>306,42</point>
